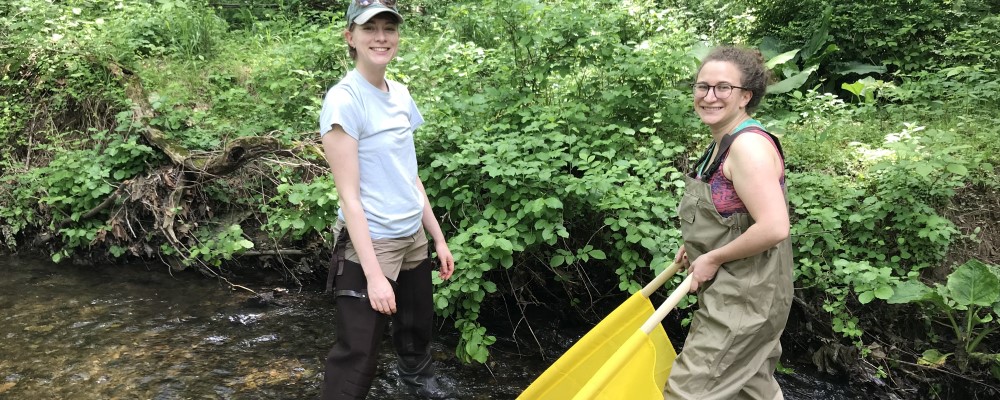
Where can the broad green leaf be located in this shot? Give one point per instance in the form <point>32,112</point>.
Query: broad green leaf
<point>557,261</point>
<point>819,36</point>
<point>933,358</point>
<point>974,284</point>
<point>860,69</point>
<point>486,240</point>
<point>924,169</point>
<point>958,169</point>
<point>792,83</point>
<point>866,297</point>
<point>910,292</point>
<point>769,46</point>
<point>781,58</point>
<point>855,88</point>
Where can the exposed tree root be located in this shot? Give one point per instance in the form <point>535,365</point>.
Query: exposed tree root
<point>164,206</point>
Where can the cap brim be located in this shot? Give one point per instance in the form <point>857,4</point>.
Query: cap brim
<point>373,11</point>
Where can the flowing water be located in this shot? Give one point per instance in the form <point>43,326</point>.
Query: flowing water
<point>138,332</point>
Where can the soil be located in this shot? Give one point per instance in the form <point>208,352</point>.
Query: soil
<point>976,212</point>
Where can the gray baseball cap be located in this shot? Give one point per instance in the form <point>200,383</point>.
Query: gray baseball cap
<point>360,11</point>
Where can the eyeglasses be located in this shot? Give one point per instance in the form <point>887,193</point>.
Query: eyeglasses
<point>722,90</point>
<point>366,3</point>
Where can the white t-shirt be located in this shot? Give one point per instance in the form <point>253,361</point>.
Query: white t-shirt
<point>383,124</point>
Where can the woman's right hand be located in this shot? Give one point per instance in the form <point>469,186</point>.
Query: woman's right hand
<point>380,293</point>
<point>682,259</point>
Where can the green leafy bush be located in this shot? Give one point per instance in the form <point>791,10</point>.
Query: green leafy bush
<point>859,236</point>
<point>302,208</point>
<point>216,245</point>
<point>550,145</point>
<point>184,28</point>
<point>970,299</point>
<point>907,34</point>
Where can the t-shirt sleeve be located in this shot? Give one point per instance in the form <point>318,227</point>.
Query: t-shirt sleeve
<point>416,119</point>
<point>340,108</point>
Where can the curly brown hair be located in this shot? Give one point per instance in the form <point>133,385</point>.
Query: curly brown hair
<point>750,62</point>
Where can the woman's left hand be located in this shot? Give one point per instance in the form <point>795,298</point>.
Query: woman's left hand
<point>446,260</point>
<point>703,269</point>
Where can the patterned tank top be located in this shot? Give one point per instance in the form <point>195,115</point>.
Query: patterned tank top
<point>727,201</point>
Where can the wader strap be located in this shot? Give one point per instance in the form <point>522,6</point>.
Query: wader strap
<point>337,265</point>
<point>350,293</point>
<point>727,141</point>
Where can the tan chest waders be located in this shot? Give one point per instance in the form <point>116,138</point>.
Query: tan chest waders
<point>733,345</point>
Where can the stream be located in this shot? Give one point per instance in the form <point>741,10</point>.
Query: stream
<point>139,332</point>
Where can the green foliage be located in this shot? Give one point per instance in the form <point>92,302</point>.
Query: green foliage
<point>907,34</point>
<point>183,28</point>
<point>77,180</point>
<point>18,204</point>
<point>300,209</point>
<point>793,67</point>
<point>808,65</point>
<point>970,300</point>
<point>60,158</point>
<point>273,88</point>
<point>717,21</point>
<point>571,168</point>
<point>474,344</point>
<point>866,90</point>
<point>861,235</point>
<point>217,245</point>
<point>247,13</point>
<point>13,116</point>
<point>45,67</point>
<point>71,184</point>
<point>970,89</point>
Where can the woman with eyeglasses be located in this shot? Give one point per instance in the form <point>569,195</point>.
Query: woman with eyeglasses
<point>381,268</point>
<point>734,222</point>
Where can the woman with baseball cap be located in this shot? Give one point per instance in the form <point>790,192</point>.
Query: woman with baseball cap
<point>381,268</point>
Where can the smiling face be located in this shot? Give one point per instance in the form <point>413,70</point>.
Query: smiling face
<point>725,114</point>
<point>375,41</point>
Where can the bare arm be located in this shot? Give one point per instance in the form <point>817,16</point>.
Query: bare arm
<point>755,168</point>
<point>434,229</point>
<point>341,152</point>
